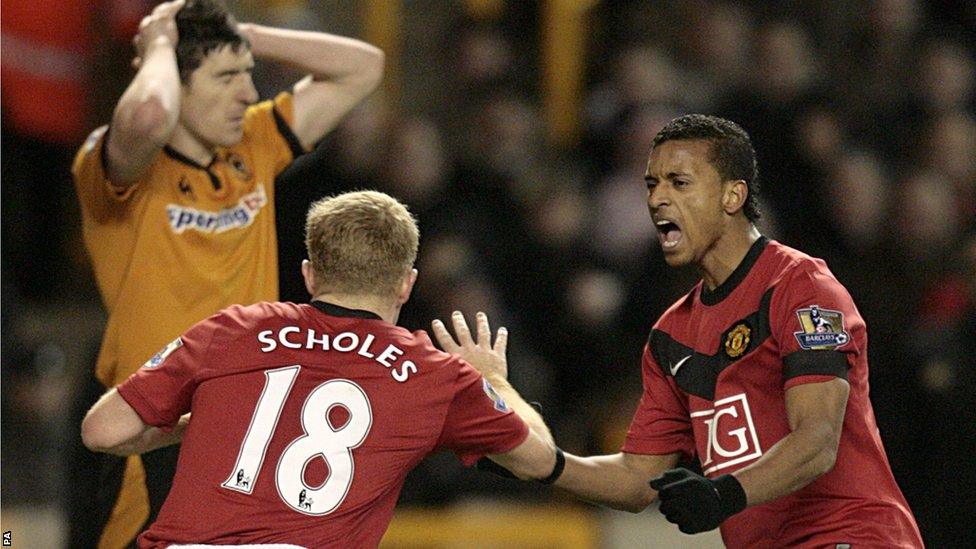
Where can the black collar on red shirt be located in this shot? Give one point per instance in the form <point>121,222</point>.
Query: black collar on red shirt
<point>332,309</point>
<point>714,297</point>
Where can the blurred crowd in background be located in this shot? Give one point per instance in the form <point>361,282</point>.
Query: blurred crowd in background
<point>862,113</point>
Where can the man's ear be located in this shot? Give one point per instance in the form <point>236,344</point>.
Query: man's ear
<point>735,195</point>
<point>308,273</point>
<point>406,286</point>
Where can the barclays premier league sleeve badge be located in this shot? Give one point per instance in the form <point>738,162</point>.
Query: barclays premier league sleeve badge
<point>823,329</point>
<point>494,396</point>
<point>159,357</point>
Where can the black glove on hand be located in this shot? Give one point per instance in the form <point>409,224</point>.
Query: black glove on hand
<point>695,503</point>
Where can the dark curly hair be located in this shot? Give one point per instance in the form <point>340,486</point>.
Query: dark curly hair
<point>204,26</point>
<point>731,152</point>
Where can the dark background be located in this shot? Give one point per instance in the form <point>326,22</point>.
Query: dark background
<point>862,114</point>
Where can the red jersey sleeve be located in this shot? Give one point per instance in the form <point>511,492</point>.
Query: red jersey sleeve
<point>162,389</point>
<point>661,424</point>
<point>478,421</point>
<point>818,329</point>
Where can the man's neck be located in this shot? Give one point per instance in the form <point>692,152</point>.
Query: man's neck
<point>184,142</point>
<point>727,253</point>
<point>384,307</point>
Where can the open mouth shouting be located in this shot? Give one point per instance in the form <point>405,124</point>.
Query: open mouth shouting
<point>668,232</point>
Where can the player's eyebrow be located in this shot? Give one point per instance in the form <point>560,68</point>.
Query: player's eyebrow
<point>227,72</point>
<point>670,175</point>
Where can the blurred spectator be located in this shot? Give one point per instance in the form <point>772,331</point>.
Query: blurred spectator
<point>641,77</point>
<point>786,77</point>
<point>413,164</point>
<point>929,225</point>
<point>949,149</point>
<point>942,347</point>
<point>858,194</point>
<point>883,33</point>
<point>718,52</point>
<point>948,77</point>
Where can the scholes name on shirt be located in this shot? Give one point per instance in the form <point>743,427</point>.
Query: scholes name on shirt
<point>345,342</point>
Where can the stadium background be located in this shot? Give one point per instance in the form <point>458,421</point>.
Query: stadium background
<point>517,131</point>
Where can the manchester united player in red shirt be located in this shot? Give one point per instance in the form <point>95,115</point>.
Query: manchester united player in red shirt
<point>760,371</point>
<point>307,418</point>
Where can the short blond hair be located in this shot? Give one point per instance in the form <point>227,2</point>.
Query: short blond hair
<point>361,242</point>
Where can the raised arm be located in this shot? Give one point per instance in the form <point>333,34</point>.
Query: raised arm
<point>491,362</point>
<point>113,426</point>
<point>147,112</point>
<point>341,73</point>
<point>619,481</point>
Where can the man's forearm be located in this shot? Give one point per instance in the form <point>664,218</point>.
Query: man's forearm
<point>792,463</point>
<point>524,410</point>
<point>324,56</point>
<point>154,93</point>
<point>606,480</point>
<point>146,114</point>
<point>151,439</point>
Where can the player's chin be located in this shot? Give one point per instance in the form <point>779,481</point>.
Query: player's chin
<point>231,137</point>
<point>676,257</point>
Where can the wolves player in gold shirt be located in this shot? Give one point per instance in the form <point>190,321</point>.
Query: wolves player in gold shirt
<point>177,197</point>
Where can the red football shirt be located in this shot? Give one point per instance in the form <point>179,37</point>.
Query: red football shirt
<point>716,370</point>
<point>305,422</point>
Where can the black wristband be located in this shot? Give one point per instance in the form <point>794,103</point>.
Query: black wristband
<point>557,470</point>
<point>731,496</point>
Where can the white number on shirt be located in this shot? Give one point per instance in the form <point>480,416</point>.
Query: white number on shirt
<point>320,439</point>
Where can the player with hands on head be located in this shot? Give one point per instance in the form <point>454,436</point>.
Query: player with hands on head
<point>177,199</point>
<point>276,390</point>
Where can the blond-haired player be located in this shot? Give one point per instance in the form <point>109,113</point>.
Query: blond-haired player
<point>306,418</point>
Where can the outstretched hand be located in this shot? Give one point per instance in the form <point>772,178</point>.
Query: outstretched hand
<point>487,359</point>
<point>160,23</point>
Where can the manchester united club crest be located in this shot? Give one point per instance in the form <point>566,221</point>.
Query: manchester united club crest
<point>737,340</point>
<point>822,329</point>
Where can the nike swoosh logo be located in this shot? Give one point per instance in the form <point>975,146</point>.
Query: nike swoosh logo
<point>674,368</point>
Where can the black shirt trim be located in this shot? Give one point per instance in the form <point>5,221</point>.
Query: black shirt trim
<point>332,309</point>
<point>714,297</point>
<point>180,157</point>
<point>696,372</point>
<point>285,130</point>
<point>103,154</point>
<point>806,363</point>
